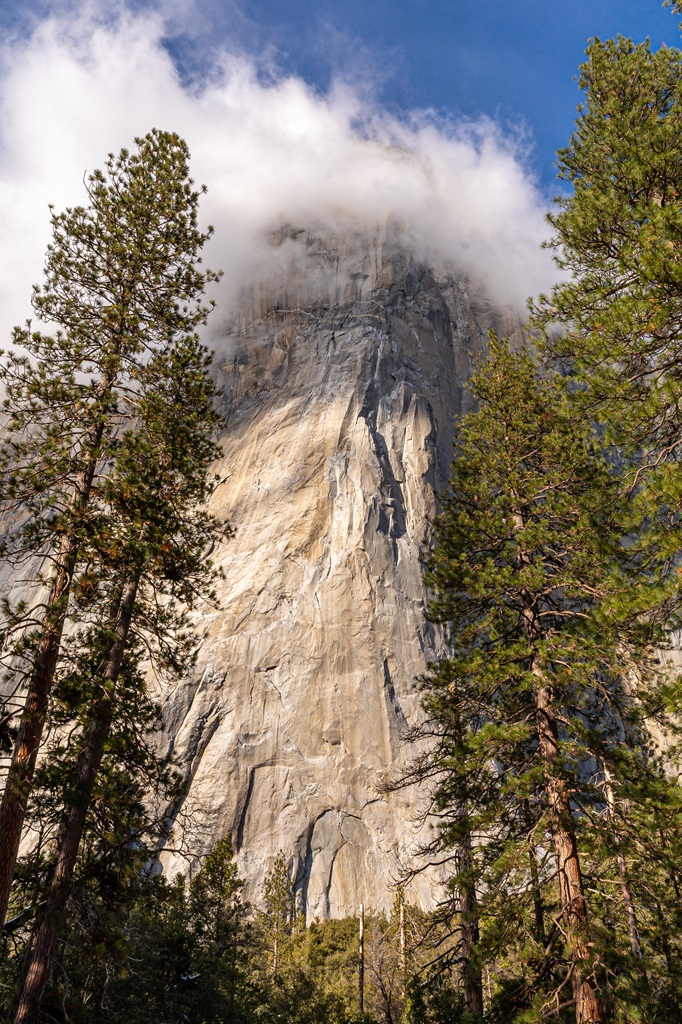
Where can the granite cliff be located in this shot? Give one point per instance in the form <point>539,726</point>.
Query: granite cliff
<point>340,380</point>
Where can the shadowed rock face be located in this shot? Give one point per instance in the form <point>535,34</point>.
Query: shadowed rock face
<point>340,387</point>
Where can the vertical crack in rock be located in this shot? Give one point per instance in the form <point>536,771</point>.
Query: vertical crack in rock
<point>393,704</point>
<point>239,841</point>
<point>391,510</point>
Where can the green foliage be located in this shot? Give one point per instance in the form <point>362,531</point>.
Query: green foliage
<point>214,897</point>
<point>618,234</point>
<point>138,947</point>
<point>169,951</point>
<point>327,953</point>
<point>122,285</point>
<point>123,298</point>
<point>193,953</point>
<point>536,590</point>
<point>106,462</point>
<point>278,916</point>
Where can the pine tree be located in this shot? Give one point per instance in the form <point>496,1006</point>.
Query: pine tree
<point>184,953</point>
<point>618,234</point>
<point>216,915</point>
<point>122,282</point>
<point>278,916</point>
<point>146,552</point>
<point>79,914</point>
<point>533,707</point>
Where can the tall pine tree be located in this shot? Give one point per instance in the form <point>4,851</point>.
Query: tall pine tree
<point>122,282</point>
<point>618,234</point>
<point>533,711</point>
<point>146,553</point>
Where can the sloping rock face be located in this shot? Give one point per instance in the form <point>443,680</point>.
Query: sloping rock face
<point>341,385</point>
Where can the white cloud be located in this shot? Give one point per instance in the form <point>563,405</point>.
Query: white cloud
<point>269,148</point>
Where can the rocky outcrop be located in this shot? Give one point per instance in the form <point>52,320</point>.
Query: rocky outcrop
<point>341,383</point>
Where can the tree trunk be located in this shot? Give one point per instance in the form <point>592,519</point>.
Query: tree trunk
<point>403,944</point>
<point>626,891</point>
<point>468,902</point>
<point>538,906</point>
<point>361,961</point>
<point>574,914</point>
<point>630,914</point>
<point>40,957</point>
<point>22,765</point>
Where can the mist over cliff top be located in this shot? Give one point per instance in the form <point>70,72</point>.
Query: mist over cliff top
<point>270,149</point>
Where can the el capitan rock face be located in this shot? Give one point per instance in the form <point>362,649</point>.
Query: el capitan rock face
<point>341,386</point>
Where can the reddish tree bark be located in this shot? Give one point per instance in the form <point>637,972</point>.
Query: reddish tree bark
<point>574,914</point>
<point>471,970</point>
<point>40,956</point>
<point>25,754</point>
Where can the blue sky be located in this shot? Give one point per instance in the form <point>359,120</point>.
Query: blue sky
<point>513,61</point>
<point>444,115</point>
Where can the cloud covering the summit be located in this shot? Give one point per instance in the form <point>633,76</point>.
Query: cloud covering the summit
<point>269,148</point>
